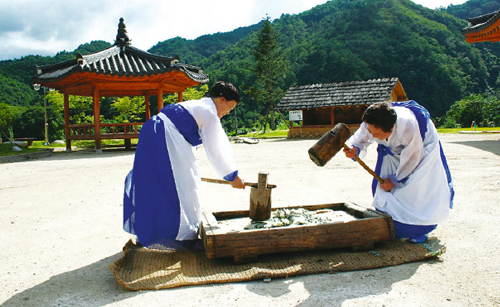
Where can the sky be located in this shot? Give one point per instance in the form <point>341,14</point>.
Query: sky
<point>46,27</point>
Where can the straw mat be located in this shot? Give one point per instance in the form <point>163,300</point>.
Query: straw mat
<point>147,269</point>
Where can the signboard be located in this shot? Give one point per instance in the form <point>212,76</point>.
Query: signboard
<point>295,115</point>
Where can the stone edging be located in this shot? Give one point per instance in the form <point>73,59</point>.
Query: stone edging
<point>27,156</point>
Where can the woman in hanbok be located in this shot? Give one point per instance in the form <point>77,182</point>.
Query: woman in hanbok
<point>161,206</point>
<point>417,191</point>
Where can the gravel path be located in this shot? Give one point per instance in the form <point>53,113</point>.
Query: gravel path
<point>61,227</point>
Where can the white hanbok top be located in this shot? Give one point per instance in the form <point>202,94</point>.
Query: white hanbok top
<point>214,138</point>
<point>161,202</point>
<point>421,195</point>
<point>185,167</point>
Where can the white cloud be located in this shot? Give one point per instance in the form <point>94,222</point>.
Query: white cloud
<point>46,27</point>
<point>438,3</point>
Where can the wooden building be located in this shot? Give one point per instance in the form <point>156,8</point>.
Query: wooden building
<point>324,105</point>
<point>484,28</point>
<point>118,71</point>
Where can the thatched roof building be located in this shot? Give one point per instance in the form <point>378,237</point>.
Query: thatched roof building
<point>324,105</point>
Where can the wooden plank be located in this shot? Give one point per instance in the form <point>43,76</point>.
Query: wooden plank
<point>207,235</point>
<point>370,228</point>
<point>81,137</point>
<point>120,136</point>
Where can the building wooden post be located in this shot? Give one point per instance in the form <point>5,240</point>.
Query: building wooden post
<point>67,132</point>
<point>97,121</point>
<point>332,116</point>
<point>180,96</point>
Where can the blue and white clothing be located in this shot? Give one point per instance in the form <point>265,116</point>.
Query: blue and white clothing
<point>160,199</point>
<point>413,159</point>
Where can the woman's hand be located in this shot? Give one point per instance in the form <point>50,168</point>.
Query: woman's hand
<point>238,183</point>
<point>350,153</point>
<point>387,185</point>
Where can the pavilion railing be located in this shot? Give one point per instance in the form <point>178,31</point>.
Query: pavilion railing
<point>108,131</point>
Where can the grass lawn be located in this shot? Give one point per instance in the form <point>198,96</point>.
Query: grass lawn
<point>457,130</point>
<point>284,133</point>
<point>6,147</point>
<point>6,150</point>
<point>269,134</point>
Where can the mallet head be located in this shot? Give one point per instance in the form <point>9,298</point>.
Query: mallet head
<point>329,144</point>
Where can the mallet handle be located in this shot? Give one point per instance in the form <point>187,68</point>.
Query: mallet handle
<point>248,184</point>
<point>366,167</point>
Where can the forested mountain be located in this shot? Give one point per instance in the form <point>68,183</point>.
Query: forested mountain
<point>472,8</point>
<point>24,69</point>
<point>340,40</point>
<point>194,51</point>
<point>346,40</point>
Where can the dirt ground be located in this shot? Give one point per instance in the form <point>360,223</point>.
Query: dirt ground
<point>61,226</point>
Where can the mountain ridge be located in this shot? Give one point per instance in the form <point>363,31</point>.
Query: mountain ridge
<point>341,40</point>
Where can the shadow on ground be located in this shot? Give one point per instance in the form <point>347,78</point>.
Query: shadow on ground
<point>92,285</point>
<point>334,289</point>
<point>492,146</point>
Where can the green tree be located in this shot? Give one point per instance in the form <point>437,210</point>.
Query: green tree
<point>7,118</point>
<point>270,70</point>
<point>130,110</point>
<point>16,93</point>
<point>492,110</point>
<point>80,107</point>
<point>191,93</point>
<point>33,122</point>
<point>484,111</point>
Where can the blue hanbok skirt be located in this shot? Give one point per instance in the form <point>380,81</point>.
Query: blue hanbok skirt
<point>154,188</point>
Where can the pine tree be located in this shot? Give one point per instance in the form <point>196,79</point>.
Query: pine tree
<point>270,69</point>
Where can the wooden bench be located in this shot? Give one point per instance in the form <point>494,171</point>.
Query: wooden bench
<point>28,140</point>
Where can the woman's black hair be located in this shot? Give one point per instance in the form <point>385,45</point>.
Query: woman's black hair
<point>226,90</point>
<point>381,115</point>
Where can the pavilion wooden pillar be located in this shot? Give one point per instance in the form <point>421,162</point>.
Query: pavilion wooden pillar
<point>180,96</point>
<point>160,96</point>
<point>67,132</point>
<point>97,121</point>
<point>146,102</point>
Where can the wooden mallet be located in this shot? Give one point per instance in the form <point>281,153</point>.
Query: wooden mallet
<point>247,184</point>
<point>331,143</point>
<point>260,196</point>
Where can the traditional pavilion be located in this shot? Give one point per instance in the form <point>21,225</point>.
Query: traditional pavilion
<point>324,105</point>
<point>118,71</point>
<point>484,28</point>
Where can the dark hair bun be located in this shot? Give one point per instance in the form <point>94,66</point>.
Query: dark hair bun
<point>226,90</point>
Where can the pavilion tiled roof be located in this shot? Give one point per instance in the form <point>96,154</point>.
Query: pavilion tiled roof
<point>484,28</point>
<point>337,94</point>
<point>121,60</point>
<point>480,23</point>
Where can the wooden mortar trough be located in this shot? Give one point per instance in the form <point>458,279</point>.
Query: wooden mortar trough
<point>365,229</point>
